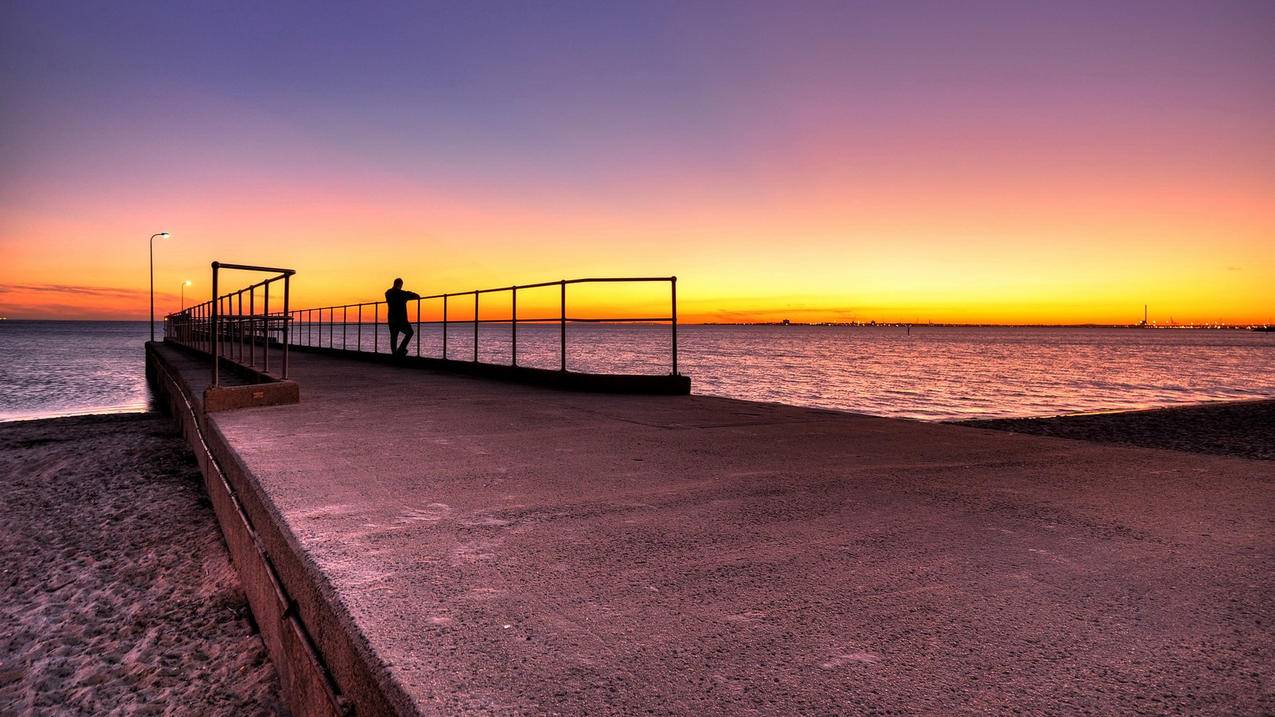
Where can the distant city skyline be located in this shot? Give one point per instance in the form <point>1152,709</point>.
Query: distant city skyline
<point>958,163</point>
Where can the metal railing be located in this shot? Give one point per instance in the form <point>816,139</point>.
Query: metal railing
<point>221,328</point>
<point>310,323</point>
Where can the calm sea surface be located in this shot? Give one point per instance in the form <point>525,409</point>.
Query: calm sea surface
<point>57,368</point>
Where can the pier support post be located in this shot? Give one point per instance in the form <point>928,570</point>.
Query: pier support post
<point>286,320</point>
<point>673,283</point>
<point>212,324</point>
<point>562,328</point>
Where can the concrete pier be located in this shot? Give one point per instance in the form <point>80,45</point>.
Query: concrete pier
<point>450,545</point>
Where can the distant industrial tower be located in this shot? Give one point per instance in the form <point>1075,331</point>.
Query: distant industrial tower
<point>1144,317</point>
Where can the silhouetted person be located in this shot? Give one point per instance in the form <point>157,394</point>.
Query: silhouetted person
<point>396,312</point>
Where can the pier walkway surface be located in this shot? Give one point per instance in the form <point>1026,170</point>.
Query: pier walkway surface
<point>498,548</point>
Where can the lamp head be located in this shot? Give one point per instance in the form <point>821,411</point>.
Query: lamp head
<point>186,282</point>
<point>164,235</point>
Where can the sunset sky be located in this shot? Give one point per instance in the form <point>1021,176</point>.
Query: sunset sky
<point>890,161</point>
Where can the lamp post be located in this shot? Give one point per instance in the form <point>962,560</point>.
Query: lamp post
<point>185,284</point>
<point>162,235</point>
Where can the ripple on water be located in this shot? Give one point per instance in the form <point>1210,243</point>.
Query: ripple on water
<point>934,373</point>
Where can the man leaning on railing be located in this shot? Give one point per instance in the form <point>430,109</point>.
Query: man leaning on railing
<point>396,313</point>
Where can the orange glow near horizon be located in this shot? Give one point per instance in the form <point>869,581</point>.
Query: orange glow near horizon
<point>962,167</point>
<point>1079,257</point>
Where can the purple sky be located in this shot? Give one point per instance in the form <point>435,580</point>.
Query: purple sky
<point>659,116</point>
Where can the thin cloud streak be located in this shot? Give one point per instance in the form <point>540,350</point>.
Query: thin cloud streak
<point>78,289</point>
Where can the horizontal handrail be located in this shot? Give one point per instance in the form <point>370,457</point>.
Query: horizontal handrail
<point>221,327</point>
<point>304,318</point>
<point>249,267</point>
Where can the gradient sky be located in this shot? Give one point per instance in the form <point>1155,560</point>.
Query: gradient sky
<point>963,161</point>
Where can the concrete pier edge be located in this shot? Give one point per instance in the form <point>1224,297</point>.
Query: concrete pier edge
<point>458,546</point>
<point>644,384</point>
<point>325,666</point>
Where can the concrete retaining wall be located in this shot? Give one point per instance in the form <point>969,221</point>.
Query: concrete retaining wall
<point>324,667</point>
<point>258,387</point>
<point>274,393</point>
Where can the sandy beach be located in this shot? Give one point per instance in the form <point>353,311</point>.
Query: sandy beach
<point>1245,429</point>
<point>118,593</point>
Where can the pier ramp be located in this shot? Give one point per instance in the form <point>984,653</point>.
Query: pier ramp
<point>447,544</point>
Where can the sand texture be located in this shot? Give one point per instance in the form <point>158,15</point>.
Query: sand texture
<point>118,593</point>
<point>1245,429</point>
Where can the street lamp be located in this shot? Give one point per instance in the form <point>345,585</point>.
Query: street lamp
<point>162,235</point>
<point>185,284</point>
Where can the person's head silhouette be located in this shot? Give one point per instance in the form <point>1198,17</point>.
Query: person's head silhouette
<point>398,283</point>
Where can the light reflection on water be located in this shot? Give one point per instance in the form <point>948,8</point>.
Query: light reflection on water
<point>58,368</point>
<point>54,368</point>
<point>932,373</point>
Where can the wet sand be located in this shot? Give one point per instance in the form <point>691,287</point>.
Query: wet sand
<point>118,593</point>
<point>1245,429</point>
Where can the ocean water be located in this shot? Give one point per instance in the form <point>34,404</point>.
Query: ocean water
<point>930,373</point>
<point>62,368</point>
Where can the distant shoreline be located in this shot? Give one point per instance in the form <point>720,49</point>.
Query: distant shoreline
<point>903,325</point>
<point>834,324</point>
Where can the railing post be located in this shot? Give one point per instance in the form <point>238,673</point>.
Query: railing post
<point>252,326</point>
<point>513,329</point>
<point>444,327</point>
<point>358,345</point>
<point>376,325</point>
<point>475,327</point>
<point>562,334</point>
<point>345,320</point>
<point>673,283</point>
<point>213,323</point>
<point>265,313</point>
<point>287,319</point>
<point>418,328</point>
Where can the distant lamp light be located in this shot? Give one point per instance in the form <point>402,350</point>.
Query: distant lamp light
<point>151,242</point>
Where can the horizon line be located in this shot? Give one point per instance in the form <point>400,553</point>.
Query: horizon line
<point>827,324</point>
